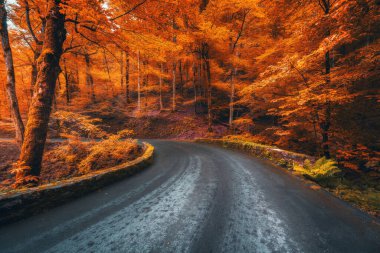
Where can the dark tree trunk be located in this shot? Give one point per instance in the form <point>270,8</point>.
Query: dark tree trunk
<point>180,77</point>
<point>160,81</point>
<point>122,69</point>
<point>40,109</point>
<point>205,53</point>
<point>67,82</point>
<point>174,88</point>
<point>38,47</point>
<point>89,78</point>
<point>325,127</point>
<point>127,77</point>
<point>33,75</point>
<point>146,86</point>
<point>232,97</point>
<point>11,80</point>
<point>195,88</point>
<point>138,83</point>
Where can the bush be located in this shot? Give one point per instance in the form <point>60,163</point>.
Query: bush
<point>62,161</point>
<point>74,157</point>
<point>110,152</point>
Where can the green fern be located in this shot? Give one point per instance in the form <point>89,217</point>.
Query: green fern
<point>323,168</point>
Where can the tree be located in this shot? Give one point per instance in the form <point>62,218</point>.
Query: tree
<point>11,79</point>
<point>40,109</point>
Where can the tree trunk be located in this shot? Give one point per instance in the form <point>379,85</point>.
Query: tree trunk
<point>200,80</point>
<point>209,94</point>
<point>36,55</point>
<point>174,88</point>
<point>146,83</point>
<point>11,80</point>
<point>40,109</point>
<point>160,81</point>
<point>108,73</point>
<point>205,50</point>
<point>38,47</point>
<point>89,78</point>
<point>127,77</point>
<point>195,88</point>
<point>138,83</point>
<point>122,69</point>
<point>33,76</point>
<point>232,95</point>
<point>315,122</point>
<point>67,82</point>
<point>325,127</point>
<point>181,77</point>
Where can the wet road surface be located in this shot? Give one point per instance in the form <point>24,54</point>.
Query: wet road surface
<point>199,198</point>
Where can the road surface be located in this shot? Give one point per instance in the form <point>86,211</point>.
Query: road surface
<point>199,198</point>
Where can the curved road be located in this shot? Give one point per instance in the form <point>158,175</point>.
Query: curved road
<point>199,198</point>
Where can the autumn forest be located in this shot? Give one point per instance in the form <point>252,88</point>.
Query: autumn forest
<point>82,80</point>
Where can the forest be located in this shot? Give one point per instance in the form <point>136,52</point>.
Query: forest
<point>300,75</point>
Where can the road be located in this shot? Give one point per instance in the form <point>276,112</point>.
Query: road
<point>199,198</point>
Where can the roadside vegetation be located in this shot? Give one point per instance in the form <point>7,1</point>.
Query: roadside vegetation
<point>76,155</point>
<point>362,189</point>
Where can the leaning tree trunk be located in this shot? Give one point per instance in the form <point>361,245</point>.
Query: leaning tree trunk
<point>40,109</point>
<point>11,80</point>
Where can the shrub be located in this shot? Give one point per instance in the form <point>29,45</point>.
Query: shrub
<point>62,161</point>
<point>110,152</point>
<point>74,157</point>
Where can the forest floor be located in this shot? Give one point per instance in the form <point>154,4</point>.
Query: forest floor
<point>67,159</point>
<point>181,124</point>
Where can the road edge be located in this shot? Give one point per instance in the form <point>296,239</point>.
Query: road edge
<point>23,203</point>
<point>284,159</point>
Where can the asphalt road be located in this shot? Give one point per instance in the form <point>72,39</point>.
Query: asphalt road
<point>199,198</point>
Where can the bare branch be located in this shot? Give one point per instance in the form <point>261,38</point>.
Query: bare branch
<point>129,11</point>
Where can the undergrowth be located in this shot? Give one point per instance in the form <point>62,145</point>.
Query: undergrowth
<point>77,158</point>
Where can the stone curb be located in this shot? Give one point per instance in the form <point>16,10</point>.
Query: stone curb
<point>22,203</point>
<point>280,157</point>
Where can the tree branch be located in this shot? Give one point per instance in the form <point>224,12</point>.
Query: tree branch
<point>129,11</point>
